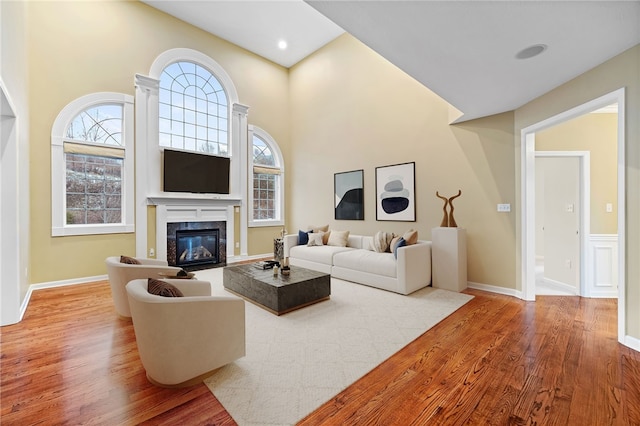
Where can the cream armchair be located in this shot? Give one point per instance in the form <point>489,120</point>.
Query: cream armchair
<point>182,340</point>
<point>121,273</point>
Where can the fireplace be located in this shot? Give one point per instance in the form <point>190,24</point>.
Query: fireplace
<point>196,245</point>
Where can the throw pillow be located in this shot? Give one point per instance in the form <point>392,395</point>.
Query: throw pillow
<point>338,238</point>
<point>315,239</point>
<point>129,260</point>
<point>393,242</point>
<point>411,237</point>
<point>381,241</point>
<point>163,288</point>
<point>325,237</point>
<point>401,243</point>
<point>303,237</point>
<point>324,228</point>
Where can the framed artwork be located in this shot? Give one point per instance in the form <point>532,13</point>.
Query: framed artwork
<point>396,192</point>
<point>349,195</point>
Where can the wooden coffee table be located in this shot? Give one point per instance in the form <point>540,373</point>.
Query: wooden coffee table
<point>277,294</point>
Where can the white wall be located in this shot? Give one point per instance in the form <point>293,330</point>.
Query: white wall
<point>14,161</point>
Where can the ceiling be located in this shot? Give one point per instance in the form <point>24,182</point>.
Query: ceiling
<point>464,51</point>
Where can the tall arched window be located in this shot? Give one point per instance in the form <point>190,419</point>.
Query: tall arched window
<point>193,110</point>
<point>92,166</point>
<point>267,180</point>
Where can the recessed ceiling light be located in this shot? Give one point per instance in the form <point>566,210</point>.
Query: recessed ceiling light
<point>531,51</point>
<point>282,44</point>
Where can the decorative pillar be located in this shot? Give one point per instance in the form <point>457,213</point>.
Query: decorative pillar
<point>147,154</point>
<point>241,168</point>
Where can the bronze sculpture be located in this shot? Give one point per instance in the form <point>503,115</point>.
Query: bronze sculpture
<point>447,220</point>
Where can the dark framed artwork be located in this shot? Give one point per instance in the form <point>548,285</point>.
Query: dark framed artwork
<point>349,195</point>
<point>396,192</point>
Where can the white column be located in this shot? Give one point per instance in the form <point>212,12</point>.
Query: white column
<point>147,154</point>
<point>240,172</point>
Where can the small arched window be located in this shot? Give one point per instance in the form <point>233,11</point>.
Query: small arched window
<point>92,166</point>
<point>267,180</point>
<point>193,110</point>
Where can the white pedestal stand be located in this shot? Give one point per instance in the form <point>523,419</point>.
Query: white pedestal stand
<point>449,258</point>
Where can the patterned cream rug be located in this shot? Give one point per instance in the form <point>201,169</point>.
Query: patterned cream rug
<point>300,360</point>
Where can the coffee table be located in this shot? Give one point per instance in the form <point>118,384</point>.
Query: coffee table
<point>277,294</point>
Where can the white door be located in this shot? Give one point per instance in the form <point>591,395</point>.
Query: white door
<point>561,222</point>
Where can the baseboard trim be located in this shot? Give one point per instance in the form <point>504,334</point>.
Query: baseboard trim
<point>632,343</point>
<point>495,289</point>
<point>53,284</point>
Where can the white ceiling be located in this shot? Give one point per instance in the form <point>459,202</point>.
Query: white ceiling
<point>258,25</point>
<point>462,50</point>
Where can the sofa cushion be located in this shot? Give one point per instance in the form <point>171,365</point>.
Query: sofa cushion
<point>338,238</point>
<point>321,254</point>
<point>367,261</point>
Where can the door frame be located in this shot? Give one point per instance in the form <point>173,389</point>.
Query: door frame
<point>527,167</point>
<point>584,192</point>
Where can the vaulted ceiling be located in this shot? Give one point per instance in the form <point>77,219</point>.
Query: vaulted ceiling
<point>465,51</point>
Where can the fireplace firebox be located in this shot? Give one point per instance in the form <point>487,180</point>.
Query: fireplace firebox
<point>196,245</point>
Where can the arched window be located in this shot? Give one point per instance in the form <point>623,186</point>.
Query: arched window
<point>267,180</point>
<point>92,166</point>
<point>193,110</point>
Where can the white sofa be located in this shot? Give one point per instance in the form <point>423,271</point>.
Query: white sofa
<point>358,263</point>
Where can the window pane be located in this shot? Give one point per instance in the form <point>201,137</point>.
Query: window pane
<point>196,98</point>
<point>93,189</point>
<point>99,124</point>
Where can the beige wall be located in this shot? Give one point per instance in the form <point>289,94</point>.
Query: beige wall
<point>596,133</point>
<point>76,48</point>
<point>620,71</point>
<point>351,109</point>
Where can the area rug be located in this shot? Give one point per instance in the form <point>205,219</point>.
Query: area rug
<point>298,361</point>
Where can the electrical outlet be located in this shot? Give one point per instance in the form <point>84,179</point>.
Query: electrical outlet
<point>504,207</point>
<point>237,245</point>
<point>152,252</point>
<point>568,263</point>
<point>609,207</point>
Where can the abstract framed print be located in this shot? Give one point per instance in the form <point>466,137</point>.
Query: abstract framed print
<point>396,192</point>
<point>349,195</point>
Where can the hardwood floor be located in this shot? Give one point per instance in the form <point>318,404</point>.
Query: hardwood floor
<point>497,360</point>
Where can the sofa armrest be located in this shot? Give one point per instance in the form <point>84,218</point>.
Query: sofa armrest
<point>414,266</point>
<point>289,240</point>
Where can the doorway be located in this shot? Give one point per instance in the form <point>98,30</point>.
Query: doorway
<point>562,221</point>
<point>528,224</point>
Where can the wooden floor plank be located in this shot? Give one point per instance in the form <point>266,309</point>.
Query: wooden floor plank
<point>497,360</point>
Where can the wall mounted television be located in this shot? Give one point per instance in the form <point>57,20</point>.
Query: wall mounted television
<point>196,173</point>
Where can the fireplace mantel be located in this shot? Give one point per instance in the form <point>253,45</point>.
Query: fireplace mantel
<point>181,199</point>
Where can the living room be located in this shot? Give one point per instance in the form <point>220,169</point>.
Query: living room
<point>343,108</point>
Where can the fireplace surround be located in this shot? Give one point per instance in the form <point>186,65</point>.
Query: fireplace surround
<point>195,213</point>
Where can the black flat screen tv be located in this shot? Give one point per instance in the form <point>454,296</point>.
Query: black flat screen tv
<point>196,173</point>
